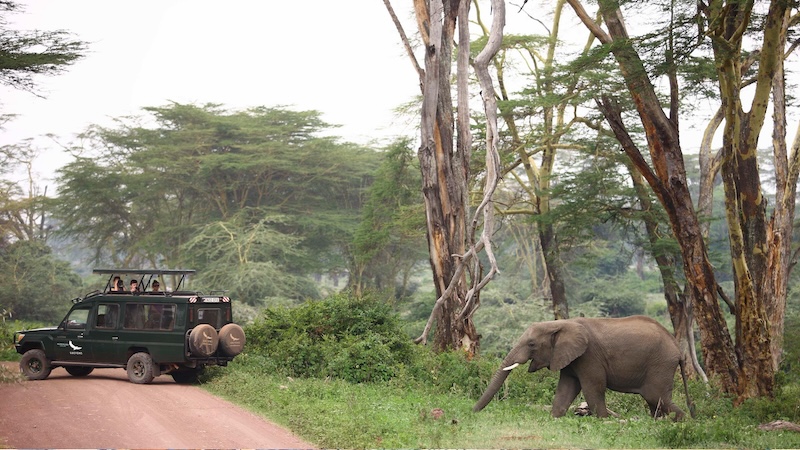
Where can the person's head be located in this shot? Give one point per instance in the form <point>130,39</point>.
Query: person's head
<point>116,284</point>
<point>134,285</point>
<point>156,286</point>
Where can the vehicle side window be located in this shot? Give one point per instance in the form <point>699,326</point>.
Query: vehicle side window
<point>141,316</point>
<point>107,316</point>
<point>77,319</point>
<point>134,316</point>
<point>210,316</point>
<point>168,317</point>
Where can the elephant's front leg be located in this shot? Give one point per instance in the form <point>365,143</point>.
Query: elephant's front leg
<point>568,388</point>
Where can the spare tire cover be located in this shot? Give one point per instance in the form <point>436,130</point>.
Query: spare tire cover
<point>203,340</point>
<point>231,339</point>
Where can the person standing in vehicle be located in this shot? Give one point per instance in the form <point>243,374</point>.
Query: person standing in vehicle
<point>156,286</point>
<point>134,287</point>
<point>117,285</point>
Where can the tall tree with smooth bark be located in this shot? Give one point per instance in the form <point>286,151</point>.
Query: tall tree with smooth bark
<point>444,154</point>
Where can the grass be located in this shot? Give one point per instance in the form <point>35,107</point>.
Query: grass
<point>334,413</point>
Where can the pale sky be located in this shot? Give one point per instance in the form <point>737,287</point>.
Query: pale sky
<point>343,59</point>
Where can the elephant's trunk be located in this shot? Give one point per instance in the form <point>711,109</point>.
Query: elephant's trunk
<point>497,380</point>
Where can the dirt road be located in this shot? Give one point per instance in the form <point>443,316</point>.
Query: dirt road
<point>105,410</point>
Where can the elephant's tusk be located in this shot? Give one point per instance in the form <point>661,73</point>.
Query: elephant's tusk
<point>511,367</point>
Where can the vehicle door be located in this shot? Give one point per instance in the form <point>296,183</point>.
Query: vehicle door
<point>71,340</point>
<point>104,334</point>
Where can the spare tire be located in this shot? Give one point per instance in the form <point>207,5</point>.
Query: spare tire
<point>203,340</point>
<point>231,339</point>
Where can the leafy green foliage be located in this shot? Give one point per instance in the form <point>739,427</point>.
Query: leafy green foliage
<point>34,285</point>
<point>238,194</point>
<point>250,257</point>
<point>390,238</point>
<point>614,300</point>
<point>26,54</point>
<point>355,339</point>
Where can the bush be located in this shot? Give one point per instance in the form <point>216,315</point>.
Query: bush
<point>7,329</point>
<point>355,339</point>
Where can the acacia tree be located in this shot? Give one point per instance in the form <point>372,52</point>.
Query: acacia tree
<point>22,204</point>
<point>24,55</point>
<point>746,367</point>
<point>760,244</point>
<point>444,154</point>
<point>389,240</point>
<point>552,101</point>
<point>204,183</point>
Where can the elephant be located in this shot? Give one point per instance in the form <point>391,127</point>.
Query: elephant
<point>632,354</point>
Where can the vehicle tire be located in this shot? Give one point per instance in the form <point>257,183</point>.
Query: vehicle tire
<point>79,371</point>
<point>231,339</point>
<point>34,365</point>
<point>140,368</point>
<point>188,376</point>
<point>203,340</point>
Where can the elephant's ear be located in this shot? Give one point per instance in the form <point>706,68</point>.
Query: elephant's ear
<point>569,342</point>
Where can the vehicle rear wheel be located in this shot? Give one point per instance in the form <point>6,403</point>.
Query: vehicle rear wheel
<point>203,340</point>
<point>34,365</point>
<point>231,339</point>
<point>140,368</point>
<point>79,371</point>
<point>187,376</point>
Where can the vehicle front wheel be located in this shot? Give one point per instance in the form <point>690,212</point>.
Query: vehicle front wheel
<point>79,371</point>
<point>34,365</point>
<point>140,368</point>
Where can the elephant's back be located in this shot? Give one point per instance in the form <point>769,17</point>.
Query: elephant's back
<point>633,337</point>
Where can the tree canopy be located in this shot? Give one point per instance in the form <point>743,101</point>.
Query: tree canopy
<point>25,55</point>
<point>260,190</point>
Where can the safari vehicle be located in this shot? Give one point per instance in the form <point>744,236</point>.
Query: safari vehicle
<point>147,332</point>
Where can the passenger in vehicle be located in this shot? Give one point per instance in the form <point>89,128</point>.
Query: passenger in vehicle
<point>134,287</point>
<point>117,285</point>
<point>153,319</point>
<point>156,286</point>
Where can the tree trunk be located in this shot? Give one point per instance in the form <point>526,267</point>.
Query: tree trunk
<point>680,311</point>
<point>779,232</point>
<point>668,180</point>
<point>756,248</point>
<point>550,251</point>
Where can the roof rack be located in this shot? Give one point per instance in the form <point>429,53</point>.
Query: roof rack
<point>144,276</point>
<point>147,271</point>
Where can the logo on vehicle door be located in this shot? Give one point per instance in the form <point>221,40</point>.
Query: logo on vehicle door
<point>75,349</point>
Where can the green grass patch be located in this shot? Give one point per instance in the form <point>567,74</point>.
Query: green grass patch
<point>405,413</point>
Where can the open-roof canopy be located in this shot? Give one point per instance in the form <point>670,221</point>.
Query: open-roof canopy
<point>146,271</point>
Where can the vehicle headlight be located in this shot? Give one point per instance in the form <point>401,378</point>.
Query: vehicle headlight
<point>18,337</point>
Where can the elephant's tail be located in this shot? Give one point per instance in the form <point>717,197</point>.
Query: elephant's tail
<point>689,402</point>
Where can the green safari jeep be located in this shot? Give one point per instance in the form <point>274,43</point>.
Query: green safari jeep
<point>148,330</point>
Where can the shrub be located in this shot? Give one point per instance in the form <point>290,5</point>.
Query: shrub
<point>7,329</point>
<point>357,339</point>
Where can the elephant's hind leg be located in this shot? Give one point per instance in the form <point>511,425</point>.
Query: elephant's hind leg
<point>662,405</point>
<point>568,388</point>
